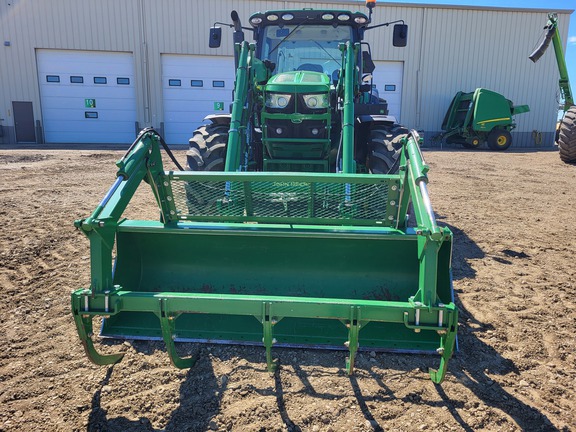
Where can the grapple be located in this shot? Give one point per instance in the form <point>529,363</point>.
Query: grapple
<point>294,259</point>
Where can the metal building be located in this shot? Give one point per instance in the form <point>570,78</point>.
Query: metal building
<point>77,71</point>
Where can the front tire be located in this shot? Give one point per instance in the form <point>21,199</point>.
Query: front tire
<point>567,136</point>
<point>207,148</point>
<point>384,148</point>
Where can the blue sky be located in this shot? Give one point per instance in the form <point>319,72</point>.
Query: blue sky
<point>550,5</point>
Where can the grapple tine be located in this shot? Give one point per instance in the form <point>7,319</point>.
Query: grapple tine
<point>84,326</point>
<point>446,350</point>
<point>268,338</point>
<point>353,342</point>
<point>167,324</point>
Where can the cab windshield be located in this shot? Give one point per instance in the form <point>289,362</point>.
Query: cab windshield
<point>305,47</point>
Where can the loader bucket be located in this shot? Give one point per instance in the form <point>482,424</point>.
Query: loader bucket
<point>316,260</point>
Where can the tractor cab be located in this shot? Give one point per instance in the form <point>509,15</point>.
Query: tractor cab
<point>304,97</point>
<point>304,52</point>
<point>306,39</point>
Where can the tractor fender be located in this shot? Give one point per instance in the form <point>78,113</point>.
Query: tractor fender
<point>219,119</point>
<point>376,118</point>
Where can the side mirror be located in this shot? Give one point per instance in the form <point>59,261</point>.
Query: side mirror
<point>215,37</point>
<point>400,37</point>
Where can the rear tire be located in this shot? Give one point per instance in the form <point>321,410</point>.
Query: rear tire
<point>567,136</point>
<point>207,148</point>
<point>499,139</point>
<point>384,148</point>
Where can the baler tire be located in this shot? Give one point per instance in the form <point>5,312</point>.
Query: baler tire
<point>472,142</point>
<point>207,148</point>
<point>567,137</point>
<point>384,148</point>
<point>499,139</point>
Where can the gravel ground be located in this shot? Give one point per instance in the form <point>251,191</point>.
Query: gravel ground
<point>512,215</point>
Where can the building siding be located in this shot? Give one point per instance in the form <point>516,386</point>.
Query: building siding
<point>449,49</point>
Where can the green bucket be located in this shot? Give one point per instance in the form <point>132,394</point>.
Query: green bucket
<point>308,263</point>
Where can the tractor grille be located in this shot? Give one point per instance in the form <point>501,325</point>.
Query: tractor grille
<point>310,199</point>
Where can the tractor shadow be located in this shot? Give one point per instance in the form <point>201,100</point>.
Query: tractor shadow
<point>199,399</point>
<point>475,367</point>
<point>305,373</point>
<point>464,250</point>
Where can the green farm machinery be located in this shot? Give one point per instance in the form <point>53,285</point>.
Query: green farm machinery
<point>481,116</point>
<point>289,226</point>
<point>566,132</point>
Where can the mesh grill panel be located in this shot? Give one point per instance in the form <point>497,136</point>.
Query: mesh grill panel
<point>286,201</point>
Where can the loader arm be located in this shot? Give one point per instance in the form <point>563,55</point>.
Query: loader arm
<point>553,35</point>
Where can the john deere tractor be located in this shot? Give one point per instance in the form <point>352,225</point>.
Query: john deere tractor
<point>290,225</point>
<point>304,98</point>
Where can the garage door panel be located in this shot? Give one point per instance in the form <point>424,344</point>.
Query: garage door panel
<point>117,93</point>
<point>66,104</point>
<point>388,77</point>
<point>189,100</point>
<point>191,96</point>
<point>88,126</point>
<point>186,106</point>
<point>96,137</point>
<point>80,104</point>
<point>117,115</point>
<point>85,61</point>
<point>183,117</point>
<point>196,117</point>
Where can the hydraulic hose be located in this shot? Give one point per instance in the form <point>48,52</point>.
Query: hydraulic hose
<point>162,143</point>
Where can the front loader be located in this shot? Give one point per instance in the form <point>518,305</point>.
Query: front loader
<point>289,226</point>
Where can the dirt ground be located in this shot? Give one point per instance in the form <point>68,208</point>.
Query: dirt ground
<point>513,218</point>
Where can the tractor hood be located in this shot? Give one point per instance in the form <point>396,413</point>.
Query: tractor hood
<point>299,82</point>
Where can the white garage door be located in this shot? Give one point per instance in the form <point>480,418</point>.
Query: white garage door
<point>193,87</point>
<point>87,96</point>
<point>388,80</point>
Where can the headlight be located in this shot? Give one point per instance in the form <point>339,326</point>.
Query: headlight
<point>277,100</point>
<point>316,101</point>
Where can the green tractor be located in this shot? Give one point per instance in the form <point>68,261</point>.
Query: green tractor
<point>290,225</point>
<point>304,99</point>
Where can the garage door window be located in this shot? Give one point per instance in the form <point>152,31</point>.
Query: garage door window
<point>100,80</point>
<point>123,81</point>
<point>77,80</point>
<point>197,83</point>
<point>174,83</point>
<point>53,78</point>
<point>217,83</point>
